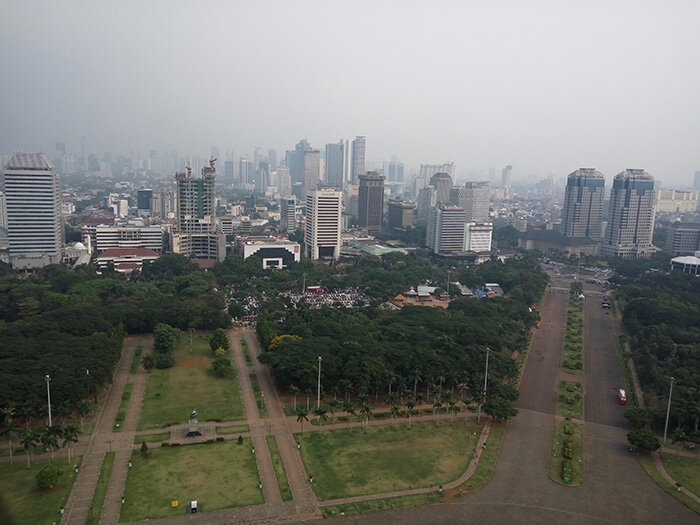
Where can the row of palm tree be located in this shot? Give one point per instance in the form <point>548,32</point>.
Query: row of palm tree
<point>49,437</point>
<point>63,412</point>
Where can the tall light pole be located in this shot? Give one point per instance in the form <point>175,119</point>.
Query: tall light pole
<point>486,378</point>
<point>318,400</point>
<point>47,378</point>
<point>668,408</point>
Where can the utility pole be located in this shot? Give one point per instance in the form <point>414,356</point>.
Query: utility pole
<point>668,408</point>
<point>486,378</point>
<point>318,400</point>
<point>47,378</point>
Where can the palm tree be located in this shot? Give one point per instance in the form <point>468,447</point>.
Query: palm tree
<point>333,405</point>
<point>63,411</point>
<point>462,387</point>
<point>322,413</point>
<point>294,390</point>
<point>9,411</point>
<point>308,396</point>
<point>10,428</point>
<point>415,375</point>
<point>350,409</point>
<point>419,401</point>
<point>394,412</point>
<point>26,411</point>
<point>302,415</point>
<point>28,440</point>
<point>83,409</point>
<point>69,435</point>
<point>437,404</point>
<point>410,403</point>
<point>366,413</point>
<point>452,404</point>
<point>49,438</point>
<point>148,363</point>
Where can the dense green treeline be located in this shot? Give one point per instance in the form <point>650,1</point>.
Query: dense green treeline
<point>662,317</point>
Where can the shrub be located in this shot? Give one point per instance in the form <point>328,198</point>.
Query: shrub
<point>48,476</point>
<point>221,367</point>
<point>165,360</point>
<point>240,439</point>
<point>220,438</point>
<point>144,449</point>
<point>566,471</point>
<point>568,449</point>
<point>568,429</point>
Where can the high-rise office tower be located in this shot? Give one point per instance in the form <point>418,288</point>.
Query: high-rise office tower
<point>144,201</point>
<point>630,216</point>
<point>3,211</point>
<point>228,172</point>
<point>370,206</point>
<point>445,232</point>
<point>505,181</point>
<point>427,199</point>
<point>394,171</point>
<point>400,214</point>
<point>33,207</point>
<point>312,170</point>
<point>288,207</point>
<point>295,161</point>
<point>323,223</point>
<point>334,165</point>
<point>475,198</point>
<point>582,215</point>
<point>272,159</point>
<point>696,181</point>
<point>477,237</point>
<point>358,158</point>
<point>245,172</point>
<point>284,180</point>
<point>442,182</point>
<point>683,238</point>
<point>428,170</point>
<point>199,235</point>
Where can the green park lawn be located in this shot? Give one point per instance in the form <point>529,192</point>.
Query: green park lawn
<point>218,475</point>
<point>684,470</point>
<point>386,458</point>
<point>98,498</point>
<point>23,501</point>
<point>172,393</point>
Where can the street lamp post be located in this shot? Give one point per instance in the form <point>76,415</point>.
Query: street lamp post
<point>486,378</point>
<point>47,378</point>
<point>668,408</point>
<point>318,400</point>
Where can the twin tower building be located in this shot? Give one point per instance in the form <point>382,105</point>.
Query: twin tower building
<point>630,217</point>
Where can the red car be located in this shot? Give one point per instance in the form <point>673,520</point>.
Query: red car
<point>622,397</point>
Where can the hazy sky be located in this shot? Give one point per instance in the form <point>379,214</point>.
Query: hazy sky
<point>539,85</point>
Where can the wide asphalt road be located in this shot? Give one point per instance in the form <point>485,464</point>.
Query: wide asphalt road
<point>615,489</point>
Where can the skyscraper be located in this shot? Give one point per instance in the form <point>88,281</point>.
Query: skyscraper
<point>442,182</point>
<point>323,222</point>
<point>312,170</point>
<point>445,232</point>
<point>582,215</point>
<point>400,214</point>
<point>505,181</point>
<point>475,198</point>
<point>228,172</point>
<point>33,207</point>
<point>370,207</point>
<point>630,216</point>
<point>288,206</point>
<point>696,181</point>
<point>358,158</point>
<point>334,165</point>
<point>199,235</point>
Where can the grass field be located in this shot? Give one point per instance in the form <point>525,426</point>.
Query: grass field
<point>685,471</point>
<point>123,405</point>
<point>570,400</point>
<point>557,459</point>
<point>151,438</point>
<point>380,504</point>
<point>218,475</point>
<point>24,502</point>
<point>237,429</point>
<point>98,499</point>
<point>385,459</point>
<point>647,464</point>
<point>281,476</point>
<point>171,394</point>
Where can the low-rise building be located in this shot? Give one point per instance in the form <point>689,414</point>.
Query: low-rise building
<point>275,252</point>
<point>126,260</point>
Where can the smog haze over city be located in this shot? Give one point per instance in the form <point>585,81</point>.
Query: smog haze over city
<point>544,86</point>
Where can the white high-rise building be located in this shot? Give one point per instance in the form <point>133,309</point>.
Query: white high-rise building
<point>3,211</point>
<point>445,232</point>
<point>358,158</point>
<point>323,223</point>
<point>477,237</point>
<point>505,181</point>
<point>33,200</point>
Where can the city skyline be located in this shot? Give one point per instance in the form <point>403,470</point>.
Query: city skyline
<point>543,87</point>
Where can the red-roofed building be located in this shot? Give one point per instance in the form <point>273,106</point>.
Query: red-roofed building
<point>126,260</point>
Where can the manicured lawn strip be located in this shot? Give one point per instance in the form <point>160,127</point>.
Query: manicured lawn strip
<point>172,393</point>
<point>572,352</point>
<point>280,474</point>
<point>136,360</point>
<point>246,353</point>
<point>685,471</point>
<point>386,458</point>
<point>262,412</point>
<point>647,464</point>
<point>123,405</point>
<point>487,461</point>
<point>98,498</point>
<point>570,400</point>
<point>380,504</point>
<point>622,366</point>
<point>557,459</point>
<point>218,475</point>
<point>151,438</point>
<point>238,429</point>
<point>24,502</point>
